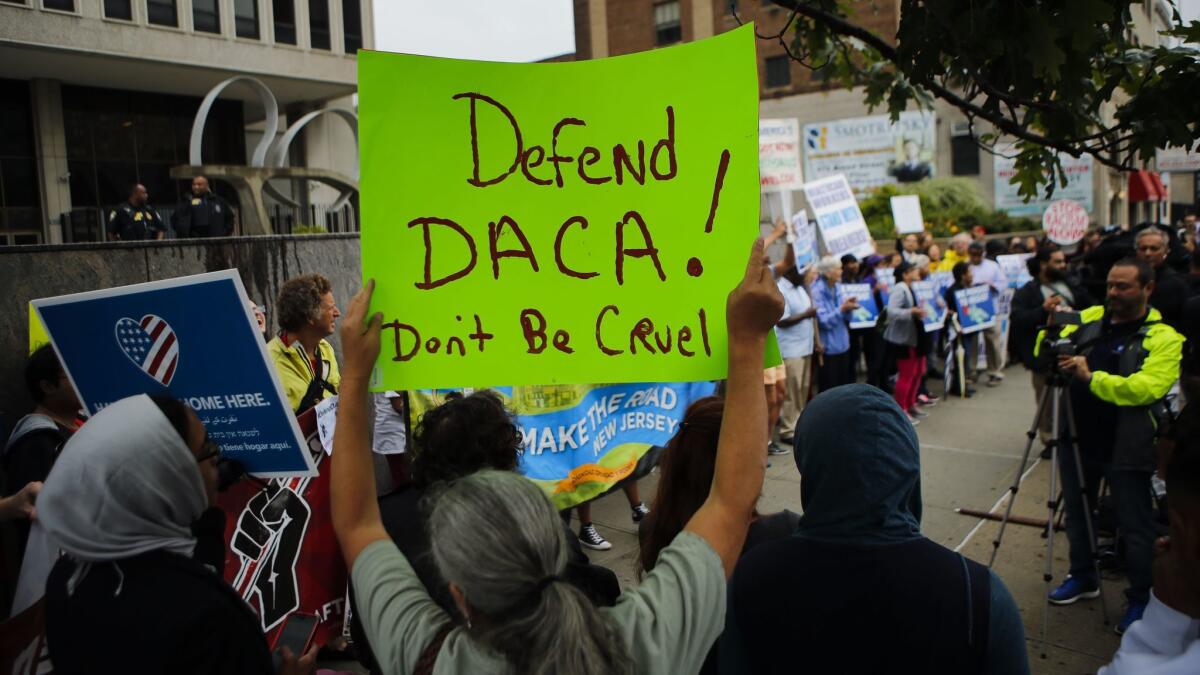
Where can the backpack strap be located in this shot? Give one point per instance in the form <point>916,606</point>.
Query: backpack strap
<point>428,658</point>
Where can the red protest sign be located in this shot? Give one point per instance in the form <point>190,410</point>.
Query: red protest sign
<point>281,554</point>
<point>1065,222</point>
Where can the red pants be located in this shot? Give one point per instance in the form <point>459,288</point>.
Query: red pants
<point>908,378</point>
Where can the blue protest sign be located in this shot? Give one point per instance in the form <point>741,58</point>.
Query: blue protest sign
<point>1016,269</point>
<point>976,309</point>
<point>192,338</point>
<point>930,298</point>
<point>942,280</point>
<point>867,313</point>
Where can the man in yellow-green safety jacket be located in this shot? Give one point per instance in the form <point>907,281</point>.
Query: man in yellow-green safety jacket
<point>1125,363</point>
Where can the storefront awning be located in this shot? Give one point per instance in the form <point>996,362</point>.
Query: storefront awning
<point>1146,186</point>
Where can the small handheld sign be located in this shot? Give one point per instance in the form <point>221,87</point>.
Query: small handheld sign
<point>1065,222</point>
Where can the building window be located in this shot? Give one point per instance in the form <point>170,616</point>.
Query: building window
<point>318,24</point>
<point>352,26</point>
<point>245,18</point>
<point>20,200</point>
<point>285,21</point>
<point>667,28</point>
<point>118,9</point>
<point>206,16</point>
<point>779,71</point>
<point>162,12</point>
<point>60,5</point>
<point>964,156</point>
<point>116,137</point>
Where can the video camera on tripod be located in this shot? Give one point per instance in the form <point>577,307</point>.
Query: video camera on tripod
<point>1054,345</point>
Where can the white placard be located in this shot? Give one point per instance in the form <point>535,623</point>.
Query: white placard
<point>1065,222</point>
<point>872,151</point>
<point>804,240</point>
<point>906,211</point>
<point>839,219</point>
<point>1177,159</point>
<point>779,156</point>
<point>1079,187</point>
<point>327,422</point>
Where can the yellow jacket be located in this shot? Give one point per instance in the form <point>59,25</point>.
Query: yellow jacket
<point>949,260</point>
<point>295,369</point>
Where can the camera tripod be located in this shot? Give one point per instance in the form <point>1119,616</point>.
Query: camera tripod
<point>1054,399</point>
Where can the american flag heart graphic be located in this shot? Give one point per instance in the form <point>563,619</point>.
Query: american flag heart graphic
<point>150,344</point>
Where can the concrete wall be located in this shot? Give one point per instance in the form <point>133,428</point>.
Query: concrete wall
<point>264,263</point>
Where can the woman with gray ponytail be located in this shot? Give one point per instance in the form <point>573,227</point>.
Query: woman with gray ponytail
<point>501,546</point>
<point>498,541</point>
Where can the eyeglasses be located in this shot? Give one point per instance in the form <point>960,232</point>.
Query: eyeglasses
<point>208,450</point>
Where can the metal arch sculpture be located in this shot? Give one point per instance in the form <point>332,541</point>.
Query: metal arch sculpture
<point>279,152</point>
<point>271,109</point>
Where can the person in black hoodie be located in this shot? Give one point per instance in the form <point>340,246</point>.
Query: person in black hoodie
<point>130,502</point>
<point>1032,307</point>
<point>464,435</point>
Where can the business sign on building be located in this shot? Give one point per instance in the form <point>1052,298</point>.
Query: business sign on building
<point>1079,188</point>
<point>779,155</point>
<point>872,151</point>
<point>1177,159</point>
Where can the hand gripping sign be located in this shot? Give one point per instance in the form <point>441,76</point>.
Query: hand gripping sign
<point>557,223</point>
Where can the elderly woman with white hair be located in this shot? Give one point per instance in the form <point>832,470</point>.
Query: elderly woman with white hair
<point>833,321</point>
<point>130,502</point>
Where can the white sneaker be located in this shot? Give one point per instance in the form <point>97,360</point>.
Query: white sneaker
<point>589,537</point>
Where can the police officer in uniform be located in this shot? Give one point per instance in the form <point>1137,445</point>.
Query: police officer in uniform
<point>203,213</point>
<point>134,219</point>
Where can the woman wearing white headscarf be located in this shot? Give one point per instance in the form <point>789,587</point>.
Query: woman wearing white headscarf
<point>124,501</point>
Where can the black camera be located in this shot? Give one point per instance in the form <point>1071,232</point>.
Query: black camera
<point>1063,347</point>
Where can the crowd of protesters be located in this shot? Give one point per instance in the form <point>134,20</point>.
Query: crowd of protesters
<point>467,566</point>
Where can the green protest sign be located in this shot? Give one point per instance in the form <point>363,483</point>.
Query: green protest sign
<point>557,223</point>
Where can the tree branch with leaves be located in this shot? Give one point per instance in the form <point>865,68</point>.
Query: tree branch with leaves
<point>1058,76</point>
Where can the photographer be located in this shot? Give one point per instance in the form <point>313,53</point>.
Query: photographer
<point>1032,307</point>
<point>1125,361</point>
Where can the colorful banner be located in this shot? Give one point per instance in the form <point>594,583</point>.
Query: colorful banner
<point>976,309</point>
<point>841,222</point>
<point>872,151</point>
<point>1079,185</point>
<point>281,555</point>
<point>192,338</point>
<point>867,313</point>
<point>557,222</point>
<point>929,297</point>
<point>1016,268</point>
<point>804,240</point>
<point>581,440</point>
<point>779,155</point>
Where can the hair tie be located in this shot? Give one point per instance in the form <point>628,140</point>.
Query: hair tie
<point>546,581</point>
